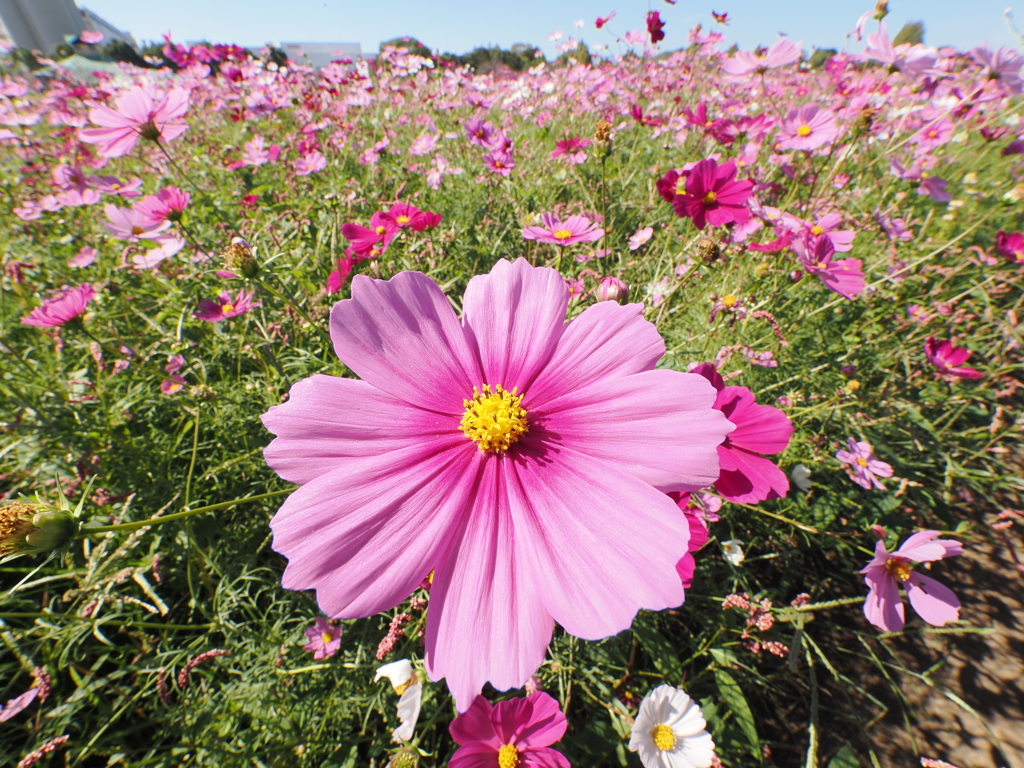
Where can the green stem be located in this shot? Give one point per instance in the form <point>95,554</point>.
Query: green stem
<point>290,303</point>
<point>831,604</point>
<point>179,515</point>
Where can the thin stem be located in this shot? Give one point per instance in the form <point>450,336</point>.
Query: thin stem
<point>290,303</point>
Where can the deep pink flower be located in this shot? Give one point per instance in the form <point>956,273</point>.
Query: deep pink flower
<point>843,276</point>
<point>949,360</point>
<point>1011,245</point>
<point>403,215</point>
<point>861,464</point>
<point>698,537</point>
<point>69,305</point>
<point>572,150</point>
<point>602,20</point>
<point>144,112</point>
<point>654,27</point>
<point>713,197</point>
<point>747,477</point>
<point>671,184</point>
<point>479,132</point>
<point>460,433</point>
<point>511,732</point>
<point>784,52</point>
<point>372,241</point>
<point>807,128</point>
<point>575,229</point>
<point>324,639</point>
<point>223,307</point>
<point>886,573</point>
<point>166,205</point>
<point>500,162</point>
<point>173,384</point>
<point>338,277</point>
<point>637,113</point>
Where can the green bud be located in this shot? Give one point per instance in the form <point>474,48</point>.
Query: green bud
<point>404,758</point>
<point>241,257</point>
<point>27,529</point>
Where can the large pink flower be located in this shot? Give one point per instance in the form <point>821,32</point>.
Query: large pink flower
<point>843,276</point>
<point>509,733</point>
<point>807,128</point>
<point>747,477</point>
<point>144,112</point>
<point>522,459</point>
<point>784,52</point>
<point>64,308</point>
<point>712,195</point>
<point>886,573</point>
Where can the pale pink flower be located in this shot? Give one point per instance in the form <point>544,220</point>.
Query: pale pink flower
<point>575,229</point>
<point>311,163</point>
<point>808,128</point>
<point>640,237</point>
<point>18,704</point>
<point>131,225</point>
<point>166,205</point>
<point>439,168</point>
<point>886,573</point>
<point>83,258</point>
<point>141,112</point>
<point>257,153</point>
<point>66,307</point>
<point>424,144</point>
<point>324,639</point>
<point>783,52</point>
<point>89,37</point>
<point>861,464</point>
<point>1004,65</point>
<point>111,185</point>
<point>172,385</point>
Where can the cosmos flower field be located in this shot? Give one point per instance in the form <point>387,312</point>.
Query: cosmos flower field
<point>632,412</point>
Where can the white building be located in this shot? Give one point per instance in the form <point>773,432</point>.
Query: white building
<point>42,25</point>
<point>321,54</point>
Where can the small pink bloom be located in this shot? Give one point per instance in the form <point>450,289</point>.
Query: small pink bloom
<point>935,188</point>
<point>886,573</point>
<point>403,215</point>
<point>223,307</point>
<point>949,360</point>
<point>572,150</point>
<point>89,37</point>
<point>479,132</point>
<point>784,52</point>
<point>172,385</point>
<point>843,276</point>
<point>166,205</point>
<point>671,184</point>
<point>917,313</point>
<point>640,237</point>
<point>311,163</point>
<point>111,185</point>
<point>712,195</point>
<point>324,639</point>
<point>131,225</point>
<point>369,242</point>
<point>500,162</point>
<point>174,364</point>
<point>64,308</point>
<point>862,466</point>
<point>654,27</point>
<point>575,229</point>
<point>142,111</point>
<point>695,519</point>
<point>808,128</point>
<point>83,258</point>
<point>519,730</point>
<point>612,288</point>
<point>1011,245</point>
<point>601,21</point>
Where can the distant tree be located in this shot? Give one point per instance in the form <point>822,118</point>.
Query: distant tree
<point>912,32</point>
<point>411,43</point>
<point>25,58</point>
<point>821,56</point>
<point>119,50</point>
<point>155,50</point>
<point>485,60</point>
<point>580,54</point>
<point>277,55</point>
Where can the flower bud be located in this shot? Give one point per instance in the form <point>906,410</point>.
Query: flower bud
<point>404,758</point>
<point>240,257</point>
<point>612,289</point>
<point>26,529</point>
<point>708,250</point>
<point>849,371</point>
<point>603,139</point>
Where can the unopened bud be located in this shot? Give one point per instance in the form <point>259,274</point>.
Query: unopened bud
<point>708,250</point>
<point>26,529</point>
<point>239,257</point>
<point>612,289</point>
<point>878,531</point>
<point>796,275</point>
<point>603,139</point>
<point>881,9</point>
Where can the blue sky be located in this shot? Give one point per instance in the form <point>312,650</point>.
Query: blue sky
<point>460,25</point>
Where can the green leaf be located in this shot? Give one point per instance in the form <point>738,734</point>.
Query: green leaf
<point>844,758</point>
<point>660,650</point>
<point>733,696</point>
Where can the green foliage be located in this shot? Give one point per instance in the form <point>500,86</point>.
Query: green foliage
<point>912,32</point>
<point>821,56</point>
<point>411,44</point>
<point>119,50</point>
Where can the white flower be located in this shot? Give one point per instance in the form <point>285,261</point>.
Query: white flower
<point>733,551</point>
<point>801,476</point>
<point>400,673</point>
<point>579,23</point>
<point>408,712</point>
<point>669,731</point>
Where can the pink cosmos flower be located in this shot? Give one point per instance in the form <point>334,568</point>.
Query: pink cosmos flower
<point>111,185</point>
<point>131,224</point>
<point>372,241</point>
<point>784,52</point>
<point>173,384</point>
<point>886,573</point>
<point>89,37</point>
<point>713,197</point>
<point>310,163</point>
<point>747,477</point>
<point>671,184</point>
<point>405,216</point>
<point>861,464</point>
<point>1004,64</point>
<point>479,132</point>
<point>843,276</point>
<point>511,732</point>
<point>166,205</point>
<point>640,237</point>
<point>142,111</point>
<point>808,128</point>
<point>572,150</point>
<point>256,153</point>
<point>460,433</point>
<point>338,277</point>
<point>439,168</point>
<point>223,307</point>
<point>85,257</point>
<point>575,229</point>
<point>654,27</point>
<point>500,162</point>
<point>698,537</point>
<point>324,639</point>
<point>602,20</point>
<point>1011,245</point>
<point>935,188</point>
<point>66,307</point>
<point>20,703</point>
<point>949,360</point>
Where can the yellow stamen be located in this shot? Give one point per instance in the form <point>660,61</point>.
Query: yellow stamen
<point>381,230</point>
<point>494,420</point>
<point>681,186</point>
<point>862,462</point>
<point>709,198</point>
<point>402,220</point>
<point>137,230</point>
<point>816,230</point>
<point>803,130</point>
<point>326,637</point>
<point>226,308</point>
<point>664,737</point>
<point>508,756</point>
<point>730,300</point>
<point>899,569</point>
<point>562,234</point>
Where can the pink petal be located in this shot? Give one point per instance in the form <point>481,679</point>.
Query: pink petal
<point>402,336</point>
<point>18,704</point>
<point>109,118</point>
<point>759,428</point>
<point>607,340</point>
<point>934,602</point>
<point>656,426</point>
<point>922,549</point>
<point>748,478</point>
<point>475,756</point>
<point>474,725</point>
<point>884,607</point>
<point>328,420</point>
<point>116,142</point>
<point>541,724</point>
<point>486,621</point>
<point>543,758</point>
<point>136,105</point>
<point>514,316</point>
<point>366,534</point>
<point>686,568</point>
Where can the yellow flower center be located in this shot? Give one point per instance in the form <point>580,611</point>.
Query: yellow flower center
<point>402,219</point>
<point>494,420</point>
<point>326,637</point>
<point>803,130</point>
<point>562,234</point>
<point>681,186</point>
<point>709,198</point>
<point>730,300</point>
<point>137,230</point>
<point>174,387</point>
<point>403,687</point>
<point>852,385</point>
<point>816,230</point>
<point>508,756</point>
<point>821,265</point>
<point>862,462</point>
<point>664,737</point>
<point>900,569</point>
<point>226,308</point>
<point>932,134</point>
<point>381,230</point>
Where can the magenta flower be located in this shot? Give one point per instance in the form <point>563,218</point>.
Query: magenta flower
<point>861,464</point>
<point>807,128</point>
<point>572,150</point>
<point>1011,246</point>
<point>698,537</point>
<point>144,112</point>
<point>933,602</point>
<point>654,27</point>
<point>602,20</point>
<point>782,53</point>
<point>223,307</point>
<point>713,197</point>
<point>403,215</point>
<point>843,276</point>
<point>500,162</point>
<point>324,639</point>
<point>369,242</point>
<point>575,229</point>
<point>166,205</point>
<point>460,433</point>
<point>949,360</point>
<point>480,133</point>
<point>511,732</point>
<point>747,477</point>
<point>66,307</point>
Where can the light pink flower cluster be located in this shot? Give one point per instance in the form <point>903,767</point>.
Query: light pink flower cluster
<point>575,229</point>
